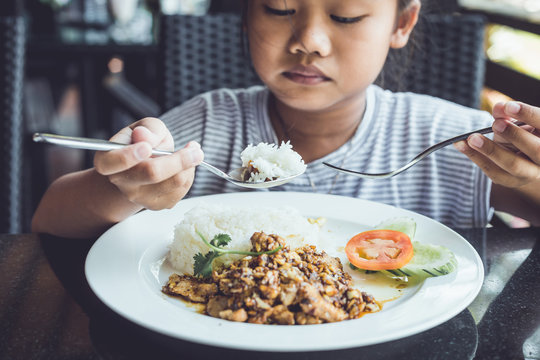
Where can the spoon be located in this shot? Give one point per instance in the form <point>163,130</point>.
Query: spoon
<point>235,176</point>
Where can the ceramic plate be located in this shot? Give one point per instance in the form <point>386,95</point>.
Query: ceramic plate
<point>126,269</point>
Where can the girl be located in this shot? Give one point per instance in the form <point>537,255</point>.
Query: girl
<point>318,60</point>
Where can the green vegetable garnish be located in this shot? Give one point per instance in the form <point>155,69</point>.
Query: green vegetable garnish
<point>202,266</point>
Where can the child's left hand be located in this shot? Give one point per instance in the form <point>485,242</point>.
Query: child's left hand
<point>512,159</point>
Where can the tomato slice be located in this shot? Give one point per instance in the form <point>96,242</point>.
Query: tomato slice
<point>379,250</point>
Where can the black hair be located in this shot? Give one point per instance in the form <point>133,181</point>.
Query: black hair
<point>398,61</point>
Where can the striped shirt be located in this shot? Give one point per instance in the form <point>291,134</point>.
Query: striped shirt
<point>446,186</point>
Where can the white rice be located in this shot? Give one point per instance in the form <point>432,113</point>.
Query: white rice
<point>272,161</point>
<point>240,223</point>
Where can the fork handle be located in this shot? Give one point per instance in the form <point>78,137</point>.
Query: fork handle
<point>465,136</point>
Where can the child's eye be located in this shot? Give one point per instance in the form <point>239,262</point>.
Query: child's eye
<point>346,20</point>
<point>279,12</point>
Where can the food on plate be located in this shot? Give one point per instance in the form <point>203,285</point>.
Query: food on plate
<point>203,265</point>
<point>379,250</point>
<point>239,222</point>
<point>389,250</point>
<point>280,286</point>
<point>404,224</point>
<point>266,162</point>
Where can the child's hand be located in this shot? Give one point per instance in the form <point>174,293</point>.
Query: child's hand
<point>512,159</point>
<point>151,182</point>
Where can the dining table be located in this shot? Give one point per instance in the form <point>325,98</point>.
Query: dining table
<point>49,311</point>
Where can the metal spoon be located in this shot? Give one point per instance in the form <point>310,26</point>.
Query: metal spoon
<point>235,176</point>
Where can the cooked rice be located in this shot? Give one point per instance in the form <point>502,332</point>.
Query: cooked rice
<point>240,223</point>
<point>271,161</point>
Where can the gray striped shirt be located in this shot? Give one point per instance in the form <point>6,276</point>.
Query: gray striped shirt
<point>396,126</point>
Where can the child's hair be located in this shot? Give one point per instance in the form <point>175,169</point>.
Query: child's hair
<point>398,60</point>
<point>402,4</point>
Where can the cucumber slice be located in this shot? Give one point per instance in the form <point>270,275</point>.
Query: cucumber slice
<point>404,224</point>
<point>428,261</point>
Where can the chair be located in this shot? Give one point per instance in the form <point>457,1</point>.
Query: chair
<point>196,54</point>
<point>447,60</point>
<point>12,55</point>
<point>202,53</point>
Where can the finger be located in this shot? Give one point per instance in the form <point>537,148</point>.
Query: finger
<point>167,193</point>
<point>523,140</point>
<point>493,171</point>
<point>505,159</point>
<point>523,112</point>
<point>153,131</point>
<point>499,111</point>
<point>160,168</point>
<point>115,161</point>
<point>123,136</point>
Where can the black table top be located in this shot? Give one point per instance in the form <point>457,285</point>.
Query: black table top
<point>48,311</point>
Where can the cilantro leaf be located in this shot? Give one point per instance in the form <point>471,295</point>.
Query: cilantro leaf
<point>203,264</point>
<point>221,240</point>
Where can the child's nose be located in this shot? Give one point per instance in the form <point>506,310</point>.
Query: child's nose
<point>311,36</point>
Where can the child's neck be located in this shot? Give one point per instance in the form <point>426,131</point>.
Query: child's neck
<point>316,134</point>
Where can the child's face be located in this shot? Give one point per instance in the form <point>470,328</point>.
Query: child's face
<point>320,54</point>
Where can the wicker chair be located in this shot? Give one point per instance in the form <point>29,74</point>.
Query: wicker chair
<point>12,50</point>
<point>196,54</point>
<point>446,60</point>
<point>202,53</point>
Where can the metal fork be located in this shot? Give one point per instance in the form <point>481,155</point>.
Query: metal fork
<point>417,158</point>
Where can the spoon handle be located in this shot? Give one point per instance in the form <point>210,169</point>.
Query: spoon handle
<point>215,170</point>
<point>103,145</point>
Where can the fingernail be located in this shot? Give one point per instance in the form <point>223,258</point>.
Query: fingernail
<point>142,151</point>
<point>513,108</point>
<point>499,126</point>
<point>460,145</point>
<point>476,141</point>
<point>195,154</point>
<point>194,145</point>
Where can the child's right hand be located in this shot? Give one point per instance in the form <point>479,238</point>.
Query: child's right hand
<point>151,182</point>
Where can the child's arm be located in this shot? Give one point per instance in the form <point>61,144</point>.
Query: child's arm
<point>122,182</point>
<point>511,160</point>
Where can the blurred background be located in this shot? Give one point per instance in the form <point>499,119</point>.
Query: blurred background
<point>90,67</point>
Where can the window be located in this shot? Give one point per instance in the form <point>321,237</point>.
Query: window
<point>528,10</point>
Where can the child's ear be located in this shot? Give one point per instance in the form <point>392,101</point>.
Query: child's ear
<point>405,25</point>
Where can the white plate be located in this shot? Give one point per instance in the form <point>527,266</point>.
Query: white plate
<point>126,271</point>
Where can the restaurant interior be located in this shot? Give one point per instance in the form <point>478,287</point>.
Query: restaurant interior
<point>91,67</point>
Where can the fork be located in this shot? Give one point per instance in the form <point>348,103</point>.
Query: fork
<point>417,158</point>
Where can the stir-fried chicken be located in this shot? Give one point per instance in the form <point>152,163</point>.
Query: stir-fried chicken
<point>191,288</point>
<point>301,286</point>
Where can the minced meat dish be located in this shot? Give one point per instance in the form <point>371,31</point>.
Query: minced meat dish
<point>301,286</point>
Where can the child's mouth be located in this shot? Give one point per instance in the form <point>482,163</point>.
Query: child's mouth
<point>305,75</point>
<point>305,79</point>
